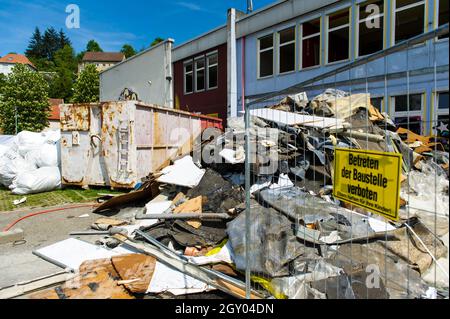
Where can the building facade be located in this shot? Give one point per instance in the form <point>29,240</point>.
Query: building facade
<point>101,60</point>
<point>146,76</point>
<point>314,41</point>
<point>200,82</point>
<point>10,60</point>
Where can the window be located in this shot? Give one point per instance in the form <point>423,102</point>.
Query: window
<point>265,56</point>
<point>443,15</point>
<point>212,63</point>
<point>377,102</point>
<point>441,125</point>
<point>370,31</point>
<point>286,56</point>
<point>188,77</point>
<point>310,46</point>
<point>338,36</point>
<point>409,19</point>
<point>199,74</point>
<point>408,116</point>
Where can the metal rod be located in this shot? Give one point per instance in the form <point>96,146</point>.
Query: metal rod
<point>213,278</point>
<point>201,216</point>
<point>247,200</point>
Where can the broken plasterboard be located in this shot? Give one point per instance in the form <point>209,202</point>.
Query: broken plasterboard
<point>168,279</point>
<point>71,253</point>
<point>183,173</point>
<point>290,118</point>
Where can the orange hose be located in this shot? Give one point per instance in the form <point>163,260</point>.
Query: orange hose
<point>45,212</point>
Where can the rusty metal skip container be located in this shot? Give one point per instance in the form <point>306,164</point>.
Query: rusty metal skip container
<point>118,143</point>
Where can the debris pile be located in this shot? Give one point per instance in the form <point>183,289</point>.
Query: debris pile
<point>183,232</point>
<point>30,162</point>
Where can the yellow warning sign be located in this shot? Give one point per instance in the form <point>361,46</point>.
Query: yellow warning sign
<point>368,179</point>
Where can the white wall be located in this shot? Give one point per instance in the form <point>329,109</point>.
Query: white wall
<point>148,73</point>
<point>6,68</point>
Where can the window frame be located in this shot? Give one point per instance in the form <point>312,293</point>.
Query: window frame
<point>302,38</point>
<point>328,31</point>
<point>279,45</point>
<point>191,61</point>
<point>393,114</point>
<point>436,111</point>
<point>208,66</point>
<point>436,25</point>
<point>196,59</point>
<point>258,56</point>
<point>383,102</point>
<point>409,6</point>
<point>358,24</point>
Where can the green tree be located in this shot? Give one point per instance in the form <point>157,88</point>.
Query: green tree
<point>156,41</point>
<point>42,48</point>
<point>51,43</point>
<point>128,50</point>
<point>2,81</point>
<point>35,45</point>
<point>87,86</point>
<point>65,68</point>
<point>24,95</point>
<point>63,39</point>
<point>93,46</point>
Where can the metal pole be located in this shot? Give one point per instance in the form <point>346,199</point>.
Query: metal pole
<point>16,116</point>
<point>247,200</point>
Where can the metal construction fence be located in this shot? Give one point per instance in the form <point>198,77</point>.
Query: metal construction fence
<point>347,180</point>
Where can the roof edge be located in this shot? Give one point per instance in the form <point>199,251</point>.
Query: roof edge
<point>169,40</point>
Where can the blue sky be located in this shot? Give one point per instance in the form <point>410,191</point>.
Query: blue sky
<point>114,23</point>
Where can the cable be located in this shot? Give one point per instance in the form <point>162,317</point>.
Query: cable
<point>45,212</point>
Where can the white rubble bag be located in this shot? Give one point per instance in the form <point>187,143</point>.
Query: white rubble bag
<point>40,180</point>
<point>46,156</point>
<point>27,141</point>
<point>11,165</point>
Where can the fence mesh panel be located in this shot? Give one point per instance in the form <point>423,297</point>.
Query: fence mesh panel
<point>302,241</point>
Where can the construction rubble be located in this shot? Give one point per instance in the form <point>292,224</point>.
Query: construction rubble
<point>182,234</point>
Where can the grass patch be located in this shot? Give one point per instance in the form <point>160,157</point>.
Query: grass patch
<point>68,195</point>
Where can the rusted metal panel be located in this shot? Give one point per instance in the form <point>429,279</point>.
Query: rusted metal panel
<point>75,119</point>
<point>122,142</point>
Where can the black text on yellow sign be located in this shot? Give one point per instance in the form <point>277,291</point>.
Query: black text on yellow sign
<point>368,179</point>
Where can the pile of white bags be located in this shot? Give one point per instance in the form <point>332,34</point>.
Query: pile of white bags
<point>31,163</point>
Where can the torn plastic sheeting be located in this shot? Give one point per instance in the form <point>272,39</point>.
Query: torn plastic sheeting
<point>297,287</point>
<point>232,156</point>
<point>183,173</point>
<point>300,169</point>
<point>296,204</point>
<point>400,279</point>
<point>301,206</point>
<point>422,189</point>
<point>225,254</point>
<point>262,182</point>
<point>272,246</point>
<point>283,182</point>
